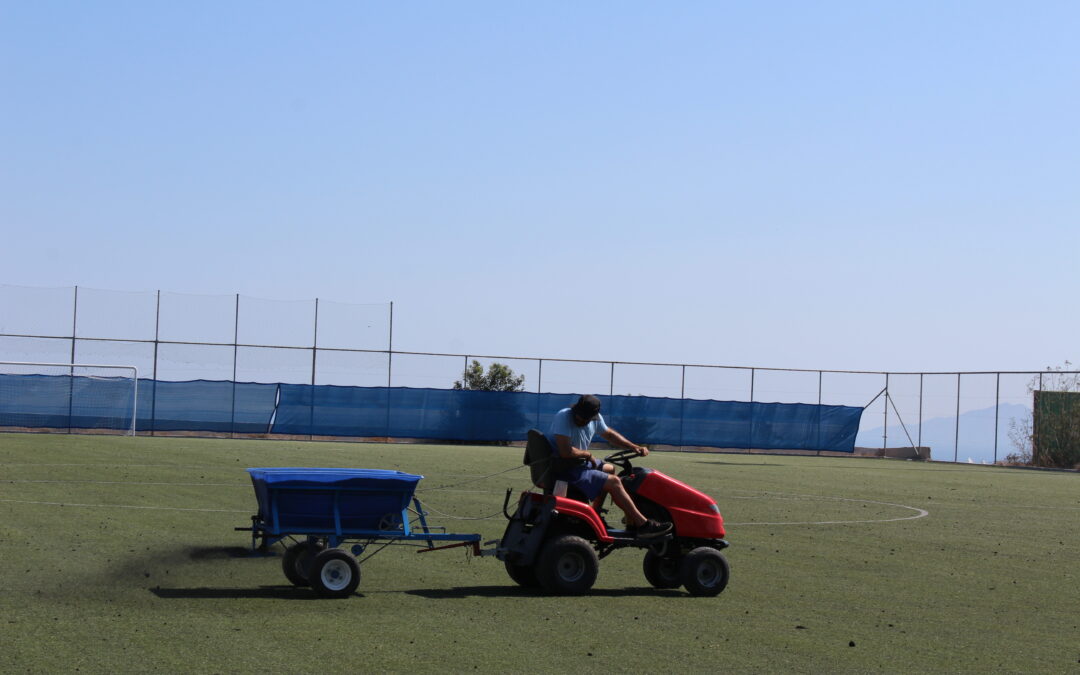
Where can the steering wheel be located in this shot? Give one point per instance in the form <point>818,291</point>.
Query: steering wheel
<point>622,459</point>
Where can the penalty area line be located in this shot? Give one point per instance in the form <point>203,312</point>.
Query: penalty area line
<point>919,513</point>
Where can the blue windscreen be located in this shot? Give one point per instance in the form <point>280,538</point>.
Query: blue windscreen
<point>436,414</point>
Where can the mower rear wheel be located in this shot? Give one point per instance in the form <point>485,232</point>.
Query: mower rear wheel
<point>297,562</point>
<point>567,565</point>
<point>704,571</point>
<point>523,575</point>
<point>662,571</point>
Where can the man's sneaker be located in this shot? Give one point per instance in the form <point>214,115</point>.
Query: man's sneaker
<point>651,528</point>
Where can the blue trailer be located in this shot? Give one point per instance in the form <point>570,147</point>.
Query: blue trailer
<point>319,509</point>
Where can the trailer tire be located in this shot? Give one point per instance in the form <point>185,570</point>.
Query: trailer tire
<point>523,575</point>
<point>567,565</point>
<point>662,571</point>
<point>296,563</point>
<point>334,574</point>
<point>704,571</point>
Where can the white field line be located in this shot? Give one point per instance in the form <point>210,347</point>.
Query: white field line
<point>919,513</point>
<point>231,485</point>
<point>127,482</point>
<point>119,466</point>
<point>124,506</point>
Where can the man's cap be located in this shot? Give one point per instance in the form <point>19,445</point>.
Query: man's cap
<point>587,407</point>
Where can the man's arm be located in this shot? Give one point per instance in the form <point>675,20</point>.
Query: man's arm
<point>567,451</point>
<point>615,438</point>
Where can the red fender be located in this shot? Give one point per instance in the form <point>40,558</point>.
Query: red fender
<point>585,513</point>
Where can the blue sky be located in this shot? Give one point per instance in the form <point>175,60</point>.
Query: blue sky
<point>849,185</point>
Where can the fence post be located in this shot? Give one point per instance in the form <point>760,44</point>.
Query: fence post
<point>819,376</point>
<point>956,439</point>
<point>389,368</point>
<point>314,354</point>
<point>885,429</point>
<point>71,371</point>
<point>750,440</point>
<point>682,407</point>
<point>920,408</point>
<point>236,348</point>
<point>539,382</point>
<point>997,410</point>
<point>153,389</point>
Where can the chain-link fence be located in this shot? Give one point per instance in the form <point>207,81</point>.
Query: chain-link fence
<point>962,416</point>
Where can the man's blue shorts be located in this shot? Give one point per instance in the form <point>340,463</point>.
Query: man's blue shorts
<point>587,479</point>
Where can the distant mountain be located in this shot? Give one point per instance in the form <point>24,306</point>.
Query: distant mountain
<point>976,434</point>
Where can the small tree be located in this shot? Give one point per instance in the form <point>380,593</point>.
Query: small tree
<point>1060,431</point>
<point>499,377</point>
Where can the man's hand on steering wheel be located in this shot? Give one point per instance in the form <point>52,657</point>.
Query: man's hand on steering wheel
<point>622,457</point>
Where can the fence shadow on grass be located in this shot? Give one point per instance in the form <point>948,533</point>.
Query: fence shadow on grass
<point>463,592</point>
<point>260,593</point>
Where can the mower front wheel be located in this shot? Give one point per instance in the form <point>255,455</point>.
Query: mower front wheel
<point>567,565</point>
<point>704,571</point>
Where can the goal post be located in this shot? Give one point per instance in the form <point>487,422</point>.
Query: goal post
<point>96,398</point>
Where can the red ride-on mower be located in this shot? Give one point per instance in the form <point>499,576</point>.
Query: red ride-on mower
<point>556,542</point>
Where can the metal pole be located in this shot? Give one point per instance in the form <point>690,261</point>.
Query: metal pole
<point>236,348</point>
<point>997,410</point>
<point>314,354</point>
<point>153,389</point>
<point>956,440</point>
<point>885,429</point>
<point>389,368</point>
<point>389,360</point>
<point>682,406</point>
<point>71,371</point>
<point>611,384</point>
<point>750,441</point>
<point>539,380</point>
<point>920,408</point>
<point>819,376</point>
<point>74,324</point>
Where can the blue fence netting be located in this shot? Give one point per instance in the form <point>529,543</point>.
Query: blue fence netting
<point>58,401</point>
<point>65,401</point>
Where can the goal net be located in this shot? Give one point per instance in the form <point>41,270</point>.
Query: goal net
<point>71,396</point>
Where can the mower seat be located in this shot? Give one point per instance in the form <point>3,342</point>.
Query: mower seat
<point>544,465</point>
<point>540,460</point>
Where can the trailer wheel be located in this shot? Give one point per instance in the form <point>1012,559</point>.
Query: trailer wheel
<point>297,562</point>
<point>704,571</point>
<point>523,575</point>
<point>334,574</point>
<point>567,565</point>
<point>662,571</point>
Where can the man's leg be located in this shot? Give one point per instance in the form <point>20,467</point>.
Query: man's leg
<point>635,519</point>
<point>598,503</point>
<point>621,497</point>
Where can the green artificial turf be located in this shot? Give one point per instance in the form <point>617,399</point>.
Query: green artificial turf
<point>987,581</point>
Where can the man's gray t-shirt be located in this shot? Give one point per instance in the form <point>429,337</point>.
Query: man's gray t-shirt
<point>580,437</point>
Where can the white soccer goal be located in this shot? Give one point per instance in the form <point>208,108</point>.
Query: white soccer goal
<point>72,396</point>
